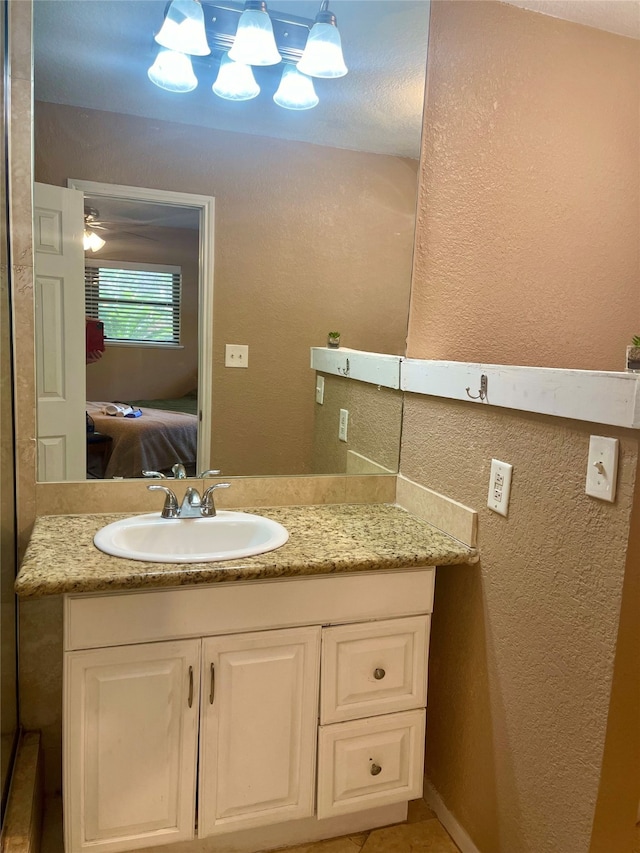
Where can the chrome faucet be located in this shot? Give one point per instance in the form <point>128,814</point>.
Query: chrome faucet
<point>192,505</point>
<point>208,506</point>
<point>179,473</point>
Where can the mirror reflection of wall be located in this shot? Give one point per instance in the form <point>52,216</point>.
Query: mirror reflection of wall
<point>309,237</point>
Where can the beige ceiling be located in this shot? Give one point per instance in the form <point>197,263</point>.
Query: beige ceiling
<point>614,16</point>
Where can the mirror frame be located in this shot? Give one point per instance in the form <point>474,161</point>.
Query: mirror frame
<point>206,207</point>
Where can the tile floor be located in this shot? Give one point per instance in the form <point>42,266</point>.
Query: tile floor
<point>422,833</point>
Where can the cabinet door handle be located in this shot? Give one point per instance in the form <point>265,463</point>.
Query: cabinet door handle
<point>379,674</point>
<point>190,700</point>
<point>375,769</point>
<point>213,684</point>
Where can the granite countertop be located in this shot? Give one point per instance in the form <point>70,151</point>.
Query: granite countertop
<point>61,556</point>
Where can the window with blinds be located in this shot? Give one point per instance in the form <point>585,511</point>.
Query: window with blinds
<point>137,303</point>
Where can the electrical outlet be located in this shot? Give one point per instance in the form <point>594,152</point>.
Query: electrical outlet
<point>344,424</point>
<point>499,486</point>
<point>602,470</point>
<point>320,389</point>
<point>236,355</point>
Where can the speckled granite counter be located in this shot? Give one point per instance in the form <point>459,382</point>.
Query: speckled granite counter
<point>61,556</point>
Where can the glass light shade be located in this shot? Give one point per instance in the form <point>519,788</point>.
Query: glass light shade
<point>295,91</point>
<point>235,81</point>
<point>91,242</point>
<point>173,71</point>
<point>255,43</point>
<point>322,56</point>
<point>183,29</point>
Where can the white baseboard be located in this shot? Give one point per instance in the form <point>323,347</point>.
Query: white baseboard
<point>455,830</point>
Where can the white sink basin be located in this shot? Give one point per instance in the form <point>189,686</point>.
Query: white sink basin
<point>227,536</point>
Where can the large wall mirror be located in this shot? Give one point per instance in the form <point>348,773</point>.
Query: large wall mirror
<point>313,227</point>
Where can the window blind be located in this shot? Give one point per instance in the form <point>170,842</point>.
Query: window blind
<point>137,303</point>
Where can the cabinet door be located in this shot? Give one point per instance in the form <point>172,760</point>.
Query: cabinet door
<point>130,745</point>
<point>258,731</point>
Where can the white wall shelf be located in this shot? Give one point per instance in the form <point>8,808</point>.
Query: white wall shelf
<point>373,367</point>
<point>586,395</point>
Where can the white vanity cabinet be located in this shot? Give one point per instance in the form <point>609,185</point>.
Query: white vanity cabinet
<point>263,702</point>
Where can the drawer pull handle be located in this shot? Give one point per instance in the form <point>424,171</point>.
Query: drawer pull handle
<point>213,684</point>
<point>375,769</point>
<point>379,674</point>
<point>190,700</point>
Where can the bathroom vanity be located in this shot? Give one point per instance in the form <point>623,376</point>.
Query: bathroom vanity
<point>196,707</point>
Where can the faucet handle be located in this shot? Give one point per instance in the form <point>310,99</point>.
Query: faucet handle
<point>208,506</point>
<point>209,473</point>
<point>157,474</point>
<point>170,508</point>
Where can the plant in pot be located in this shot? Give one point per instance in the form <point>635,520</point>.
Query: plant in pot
<point>633,354</point>
<point>333,339</point>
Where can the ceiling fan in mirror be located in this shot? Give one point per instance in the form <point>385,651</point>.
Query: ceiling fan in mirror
<point>248,36</point>
<point>93,242</point>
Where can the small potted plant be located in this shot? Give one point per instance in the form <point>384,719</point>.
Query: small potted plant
<point>633,354</point>
<point>333,340</point>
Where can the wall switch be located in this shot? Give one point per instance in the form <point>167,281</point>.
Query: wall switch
<point>236,355</point>
<point>499,486</point>
<point>602,470</point>
<point>344,423</point>
<point>320,389</point>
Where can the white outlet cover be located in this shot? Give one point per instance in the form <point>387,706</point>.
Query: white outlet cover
<point>320,390</point>
<point>499,487</point>
<point>343,425</point>
<point>602,469</point>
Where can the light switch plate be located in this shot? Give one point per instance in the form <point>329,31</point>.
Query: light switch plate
<point>499,487</point>
<point>320,389</point>
<point>602,470</point>
<point>343,425</point>
<point>236,355</point>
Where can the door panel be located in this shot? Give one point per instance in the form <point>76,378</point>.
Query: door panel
<point>259,732</point>
<point>60,332</point>
<point>130,745</point>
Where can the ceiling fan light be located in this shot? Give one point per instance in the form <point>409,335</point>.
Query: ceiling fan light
<point>235,81</point>
<point>173,71</point>
<point>183,28</point>
<point>322,56</point>
<point>91,241</point>
<point>254,43</point>
<point>295,91</point>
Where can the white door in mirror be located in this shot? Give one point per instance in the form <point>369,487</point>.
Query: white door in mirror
<point>227,536</point>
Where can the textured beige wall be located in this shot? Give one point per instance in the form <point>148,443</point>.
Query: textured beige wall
<point>523,645</point>
<point>308,239</point>
<point>148,373</point>
<point>527,249</point>
<point>375,424</point>
<point>528,224</point>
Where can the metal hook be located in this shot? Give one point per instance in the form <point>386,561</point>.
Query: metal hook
<point>482,393</point>
<point>345,371</point>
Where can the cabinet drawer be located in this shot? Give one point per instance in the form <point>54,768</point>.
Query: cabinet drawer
<point>367,763</point>
<point>374,668</point>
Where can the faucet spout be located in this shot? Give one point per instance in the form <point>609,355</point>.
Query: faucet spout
<point>191,504</point>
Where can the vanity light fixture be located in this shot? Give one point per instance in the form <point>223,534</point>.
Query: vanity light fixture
<point>295,91</point>
<point>255,43</point>
<point>248,35</point>
<point>235,81</point>
<point>183,29</point>
<point>173,71</point>
<point>322,55</point>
